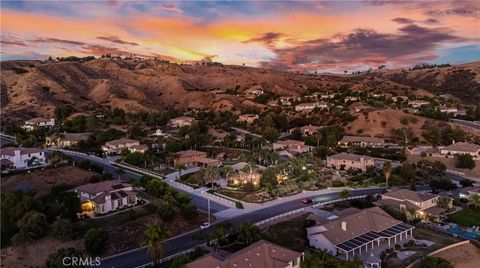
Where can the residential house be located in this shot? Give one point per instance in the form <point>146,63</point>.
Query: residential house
<point>62,140</point>
<point>322,105</point>
<point>272,103</point>
<point>117,146</point>
<point>328,96</point>
<point>35,123</point>
<point>106,196</point>
<point>21,158</point>
<point>418,103</point>
<point>286,101</point>
<point>293,146</point>
<point>305,107</point>
<point>448,110</point>
<point>350,98</point>
<point>192,158</point>
<point>244,173</point>
<point>468,192</point>
<point>399,98</point>
<point>218,134</point>
<point>461,148</point>
<point>310,130</point>
<point>249,118</point>
<point>253,92</point>
<point>310,106</point>
<point>182,121</point>
<point>259,254</point>
<point>424,204</point>
<point>360,141</point>
<point>346,161</point>
<point>347,236</point>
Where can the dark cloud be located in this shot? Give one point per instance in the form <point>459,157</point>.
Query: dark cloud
<point>59,41</point>
<point>92,49</point>
<point>403,20</point>
<point>410,21</point>
<point>363,47</point>
<point>431,21</point>
<point>116,40</point>
<point>11,41</point>
<point>266,38</point>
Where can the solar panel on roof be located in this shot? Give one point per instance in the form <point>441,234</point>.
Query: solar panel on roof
<point>123,194</point>
<point>371,236</point>
<point>117,186</point>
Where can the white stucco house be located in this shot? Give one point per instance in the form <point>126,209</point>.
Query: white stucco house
<point>21,158</point>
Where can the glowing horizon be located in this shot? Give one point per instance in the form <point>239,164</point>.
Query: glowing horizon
<point>303,36</point>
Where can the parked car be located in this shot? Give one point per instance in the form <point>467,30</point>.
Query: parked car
<point>307,201</point>
<point>205,225</point>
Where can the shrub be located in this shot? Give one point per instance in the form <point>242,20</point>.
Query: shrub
<point>189,212</point>
<point>33,225</point>
<point>338,184</point>
<point>95,241</point>
<point>62,229</point>
<point>166,212</point>
<point>404,121</point>
<point>183,198</point>
<point>435,262</point>
<point>465,161</point>
<point>239,205</point>
<point>55,260</point>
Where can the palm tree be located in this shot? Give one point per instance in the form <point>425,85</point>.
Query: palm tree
<point>387,171</point>
<point>412,212</point>
<point>443,202</point>
<point>179,168</point>
<point>345,194</point>
<point>219,236</point>
<point>248,233</point>
<point>155,238</point>
<point>474,200</point>
<point>120,172</point>
<point>206,174</point>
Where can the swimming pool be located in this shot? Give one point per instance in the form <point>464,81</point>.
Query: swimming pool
<point>466,235</point>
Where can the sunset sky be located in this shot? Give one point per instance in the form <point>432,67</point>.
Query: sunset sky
<point>304,36</point>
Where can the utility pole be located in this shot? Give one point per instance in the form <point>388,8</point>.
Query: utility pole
<point>208,209</point>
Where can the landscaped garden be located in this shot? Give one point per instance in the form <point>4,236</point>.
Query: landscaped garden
<point>466,217</point>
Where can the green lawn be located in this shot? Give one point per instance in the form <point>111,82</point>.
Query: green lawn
<point>466,217</point>
<point>290,234</point>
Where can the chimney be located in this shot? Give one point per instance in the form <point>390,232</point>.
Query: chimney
<point>344,225</point>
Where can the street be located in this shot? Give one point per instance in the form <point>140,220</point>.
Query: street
<point>178,244</point>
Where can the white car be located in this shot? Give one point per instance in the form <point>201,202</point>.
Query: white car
<point>205,225</point>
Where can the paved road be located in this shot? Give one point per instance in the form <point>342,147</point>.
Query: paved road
<point>178,244</point>
<point>200,202</point>
<point>466,123</point>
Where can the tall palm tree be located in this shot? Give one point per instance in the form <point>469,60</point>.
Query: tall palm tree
<point>345,194</point>
<point>179,168</point>
<point>207,174</point>
<point>443,202</point>
<point>248,233</point>
<point>155,238</point>
<point>219,235</point>
<point>387,171</point>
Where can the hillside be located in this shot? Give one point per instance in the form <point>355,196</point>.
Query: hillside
<point>34,88</point>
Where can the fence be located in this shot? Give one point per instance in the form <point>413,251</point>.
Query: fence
<point>338,200</point>
<point>219,198</point>
<point>168,258</point>
<point>280,216</point>
<point>177,184</point>
<point>303,209</point>
<point>138,170</point>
